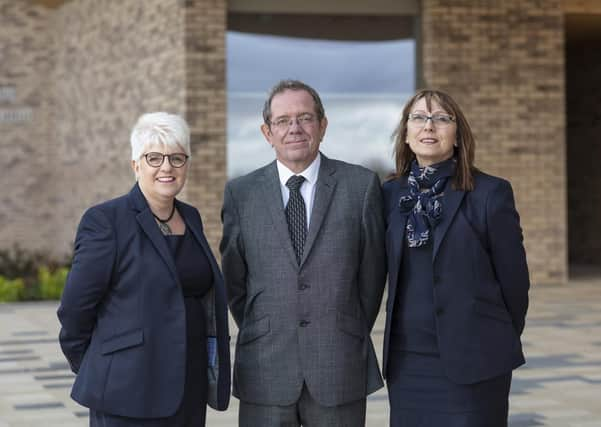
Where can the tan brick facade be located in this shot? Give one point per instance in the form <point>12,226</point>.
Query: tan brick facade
<point>113,62</point>
<point>85,72</point>
<point>503,61</point>
<point>581,6</point>
<point>25,67</point>
<point>74,79</point>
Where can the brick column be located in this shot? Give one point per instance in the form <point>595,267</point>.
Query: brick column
<point>205,28</point>
<point>504,63</point>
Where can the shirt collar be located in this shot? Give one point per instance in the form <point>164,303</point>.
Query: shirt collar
<point>310,173</point>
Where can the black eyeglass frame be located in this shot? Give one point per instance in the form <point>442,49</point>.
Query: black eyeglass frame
<point>186,157</point>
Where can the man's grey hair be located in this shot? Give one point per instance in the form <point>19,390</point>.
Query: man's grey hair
<point>284,85</point>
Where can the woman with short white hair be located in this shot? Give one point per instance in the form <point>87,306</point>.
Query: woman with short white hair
<point>143,313</point>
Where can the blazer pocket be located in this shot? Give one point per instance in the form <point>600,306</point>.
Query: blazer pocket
<point>495,311</point>
<point>254,330</point>
<point>122,341</point>
<point>350,325</point>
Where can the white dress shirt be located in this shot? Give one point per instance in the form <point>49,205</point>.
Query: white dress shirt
<point>307,189</point>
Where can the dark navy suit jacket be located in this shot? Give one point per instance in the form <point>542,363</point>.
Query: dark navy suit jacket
<point>123,316</point>
<point>480,278</point>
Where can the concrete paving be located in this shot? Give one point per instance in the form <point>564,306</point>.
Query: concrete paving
<point>560,386</point>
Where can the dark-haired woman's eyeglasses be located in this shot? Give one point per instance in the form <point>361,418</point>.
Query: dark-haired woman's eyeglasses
<point>439,120</point>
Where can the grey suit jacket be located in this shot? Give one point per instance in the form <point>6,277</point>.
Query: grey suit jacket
<point>307,323</point>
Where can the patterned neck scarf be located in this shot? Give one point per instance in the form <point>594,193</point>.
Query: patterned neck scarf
<point>422,202</point>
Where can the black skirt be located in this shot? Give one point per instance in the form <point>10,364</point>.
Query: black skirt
<point>421,395</point>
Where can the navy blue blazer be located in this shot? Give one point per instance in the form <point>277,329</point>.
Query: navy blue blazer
<point>123,317</point>
<point>480,278</point>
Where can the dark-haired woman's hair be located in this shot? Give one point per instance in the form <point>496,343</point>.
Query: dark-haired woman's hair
<point>464,152</point>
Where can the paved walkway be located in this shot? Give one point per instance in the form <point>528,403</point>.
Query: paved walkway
<point>560,386</point>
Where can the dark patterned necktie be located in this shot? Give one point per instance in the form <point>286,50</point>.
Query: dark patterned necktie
<point>296,215</point>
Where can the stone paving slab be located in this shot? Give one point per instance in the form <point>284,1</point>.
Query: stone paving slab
<point>560,386</point>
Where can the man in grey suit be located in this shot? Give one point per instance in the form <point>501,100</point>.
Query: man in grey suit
<point>303,257</point>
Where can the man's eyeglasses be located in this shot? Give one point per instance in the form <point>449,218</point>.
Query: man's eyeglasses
<point>155,160</point>
<point>439,120</point>
<point>283,123</point>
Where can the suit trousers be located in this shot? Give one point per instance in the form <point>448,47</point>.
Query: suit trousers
<point>305,412</point>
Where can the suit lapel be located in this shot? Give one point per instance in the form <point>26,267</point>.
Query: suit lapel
<point>324,192</point>
<point>396,232</point>
<point>452,200</point>
<point>272,195</point>
<point>150,228</point>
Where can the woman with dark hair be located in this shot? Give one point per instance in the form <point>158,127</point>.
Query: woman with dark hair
<point>458,278</point>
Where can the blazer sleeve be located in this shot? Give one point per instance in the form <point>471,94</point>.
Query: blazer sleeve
<point>233,264</point>
<point>87,283</point>
<point>372,269</point>
<point>507,252</point>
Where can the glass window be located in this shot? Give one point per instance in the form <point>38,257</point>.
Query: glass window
<point>363,86</point>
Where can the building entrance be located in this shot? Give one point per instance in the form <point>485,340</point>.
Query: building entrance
<point>583,132</point>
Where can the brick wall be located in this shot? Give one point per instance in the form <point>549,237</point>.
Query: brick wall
<point>114,60</point>
<point>87,70</point>
<point>581,6</point>
<point>73,80</point>
<point>504,63</point>
<point>25,65</point>
<point>83,73</point>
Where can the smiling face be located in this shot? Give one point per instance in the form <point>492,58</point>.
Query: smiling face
<point>296,144</point>
<point>429,142</point>
<point>164,182</point>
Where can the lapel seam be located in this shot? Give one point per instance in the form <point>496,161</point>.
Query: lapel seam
<point>456,201</point>
<point>160,246</point>
<point>326,186</point>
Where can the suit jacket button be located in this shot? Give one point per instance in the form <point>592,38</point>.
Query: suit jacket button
<point>303,286</point>
<point>439,311</point>
<point>436,279</point>
<point>304,323</point>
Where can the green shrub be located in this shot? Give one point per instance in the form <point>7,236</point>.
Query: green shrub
<point>18,262</point>
<point>42,276</point>
<point>51,283</point>
<point>11,289</point>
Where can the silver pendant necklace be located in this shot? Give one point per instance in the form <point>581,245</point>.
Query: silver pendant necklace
<point>163,226</point>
